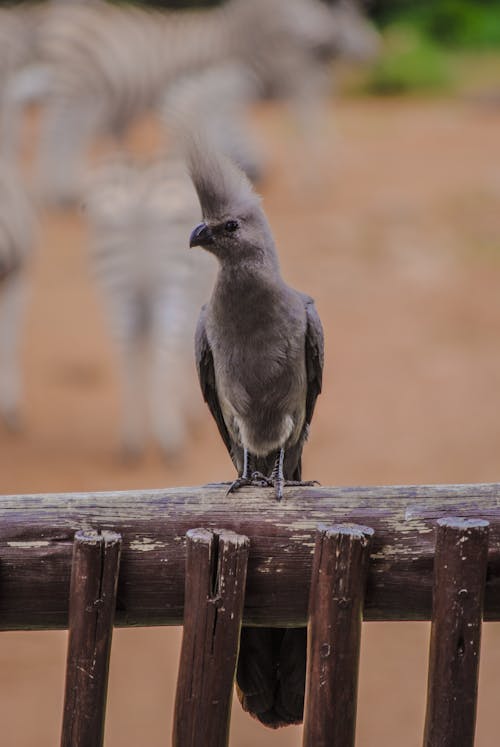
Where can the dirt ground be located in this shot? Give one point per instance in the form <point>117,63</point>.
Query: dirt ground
<point>396,233</point>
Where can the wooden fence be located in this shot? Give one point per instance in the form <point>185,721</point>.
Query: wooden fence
<point>324,557</point>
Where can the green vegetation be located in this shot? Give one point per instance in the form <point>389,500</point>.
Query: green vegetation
<point>471,24</point>
<point>410,62</point>
<point>425,40</point>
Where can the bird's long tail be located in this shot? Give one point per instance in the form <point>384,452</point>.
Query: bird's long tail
<point>271,674</point>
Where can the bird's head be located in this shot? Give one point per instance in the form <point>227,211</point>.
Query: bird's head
<point>234,227</point>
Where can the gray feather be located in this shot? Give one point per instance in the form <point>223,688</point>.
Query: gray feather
<point>222,187</point>
<point>259,353</point>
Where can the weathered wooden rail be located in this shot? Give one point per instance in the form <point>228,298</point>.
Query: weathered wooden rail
<point>325,557</point>
<point>37,532</point>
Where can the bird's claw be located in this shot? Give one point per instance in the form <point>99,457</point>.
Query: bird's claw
<point>240,482</point>
<point>258,480</point>
<point>280,484</point>
<point>262,480</point>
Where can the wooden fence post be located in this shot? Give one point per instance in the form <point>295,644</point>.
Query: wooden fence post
<point>94,576</point>
<point>335,612</point>
<point>216,566</point>
<point>459,581</point>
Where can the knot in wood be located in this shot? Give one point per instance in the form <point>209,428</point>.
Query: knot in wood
<point>325,650</point>
<point>343,602</point>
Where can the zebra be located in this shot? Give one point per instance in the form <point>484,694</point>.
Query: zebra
<point>16,35</point>
<point>17,238</point>
<point>108,64</point>
<point>139,217</point>
<point>219,99</point>
<point>12,52</point>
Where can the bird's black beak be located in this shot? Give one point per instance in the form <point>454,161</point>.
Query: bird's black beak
<point>201,236</point>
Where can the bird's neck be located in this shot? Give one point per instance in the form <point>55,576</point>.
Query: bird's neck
<point>254,263</point>
<point>257,270</point>
<point>247,286</point>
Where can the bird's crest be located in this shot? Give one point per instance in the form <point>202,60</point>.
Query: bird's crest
<point>222,187</point>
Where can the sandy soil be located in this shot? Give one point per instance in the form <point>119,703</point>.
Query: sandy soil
<point>397,236</point>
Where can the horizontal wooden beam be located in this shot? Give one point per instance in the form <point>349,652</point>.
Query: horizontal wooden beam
<point>36,539</point>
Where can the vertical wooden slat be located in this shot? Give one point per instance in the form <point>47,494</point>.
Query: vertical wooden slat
<point>216,565</point>
<point>459,580</point>
<point>94,576</point>
<point>334,632</point>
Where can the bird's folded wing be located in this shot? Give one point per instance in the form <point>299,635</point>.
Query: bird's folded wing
<point>206,375</point>
<point>314,357</point>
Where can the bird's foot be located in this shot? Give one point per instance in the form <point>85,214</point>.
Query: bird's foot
<point>259,480</point>
<point>240,482</point>
<point>256,480</point>
<point>248,482</point>
<point>262,481</point>
<point>279,484</point>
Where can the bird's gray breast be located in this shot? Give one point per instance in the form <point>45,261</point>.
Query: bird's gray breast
<point>261,377</point>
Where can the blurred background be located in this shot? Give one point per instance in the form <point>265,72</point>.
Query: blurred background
<point>372,133</point>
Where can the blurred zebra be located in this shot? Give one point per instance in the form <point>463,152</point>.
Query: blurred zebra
<point>109,64</point>
<point>290,43</point>
<point>140,217</point>
<point>16,49</point>
<point>17,233</point>
<point>13,53</point>
<point>219,100</point>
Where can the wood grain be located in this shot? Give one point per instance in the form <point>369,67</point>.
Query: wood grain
<point>216,568</point>
<point>334,634</point>
<point>92,599</point>
<point>459,580</point>
<point>36,538</point>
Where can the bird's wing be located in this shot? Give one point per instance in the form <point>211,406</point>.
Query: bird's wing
<point>206,375</point>
<point>314,357</point>
<point>313,348</point>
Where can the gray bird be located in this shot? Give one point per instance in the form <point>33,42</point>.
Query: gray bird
<point>259,354</point>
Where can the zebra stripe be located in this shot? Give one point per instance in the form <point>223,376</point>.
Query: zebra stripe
<point>16,49</point>
<point>17,227</point>
<point>140,217</point>
<point>219,100</point>
<point>109,64</point>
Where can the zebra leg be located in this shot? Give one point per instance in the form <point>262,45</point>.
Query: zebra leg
<point>10,131</point>
<point>170,380</point>
<point>12,298</point>
<point>173,380</point>
<point>313,125</point>
<point>27,86</point>
<point>132,428</point>
<point>67,131</point>
<point>131,336</point>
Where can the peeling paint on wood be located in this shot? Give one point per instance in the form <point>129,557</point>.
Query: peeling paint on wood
<point>36,535</point>
<point>146,544</point>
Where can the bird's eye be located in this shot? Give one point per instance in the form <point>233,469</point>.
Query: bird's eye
<point>231,225</point>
